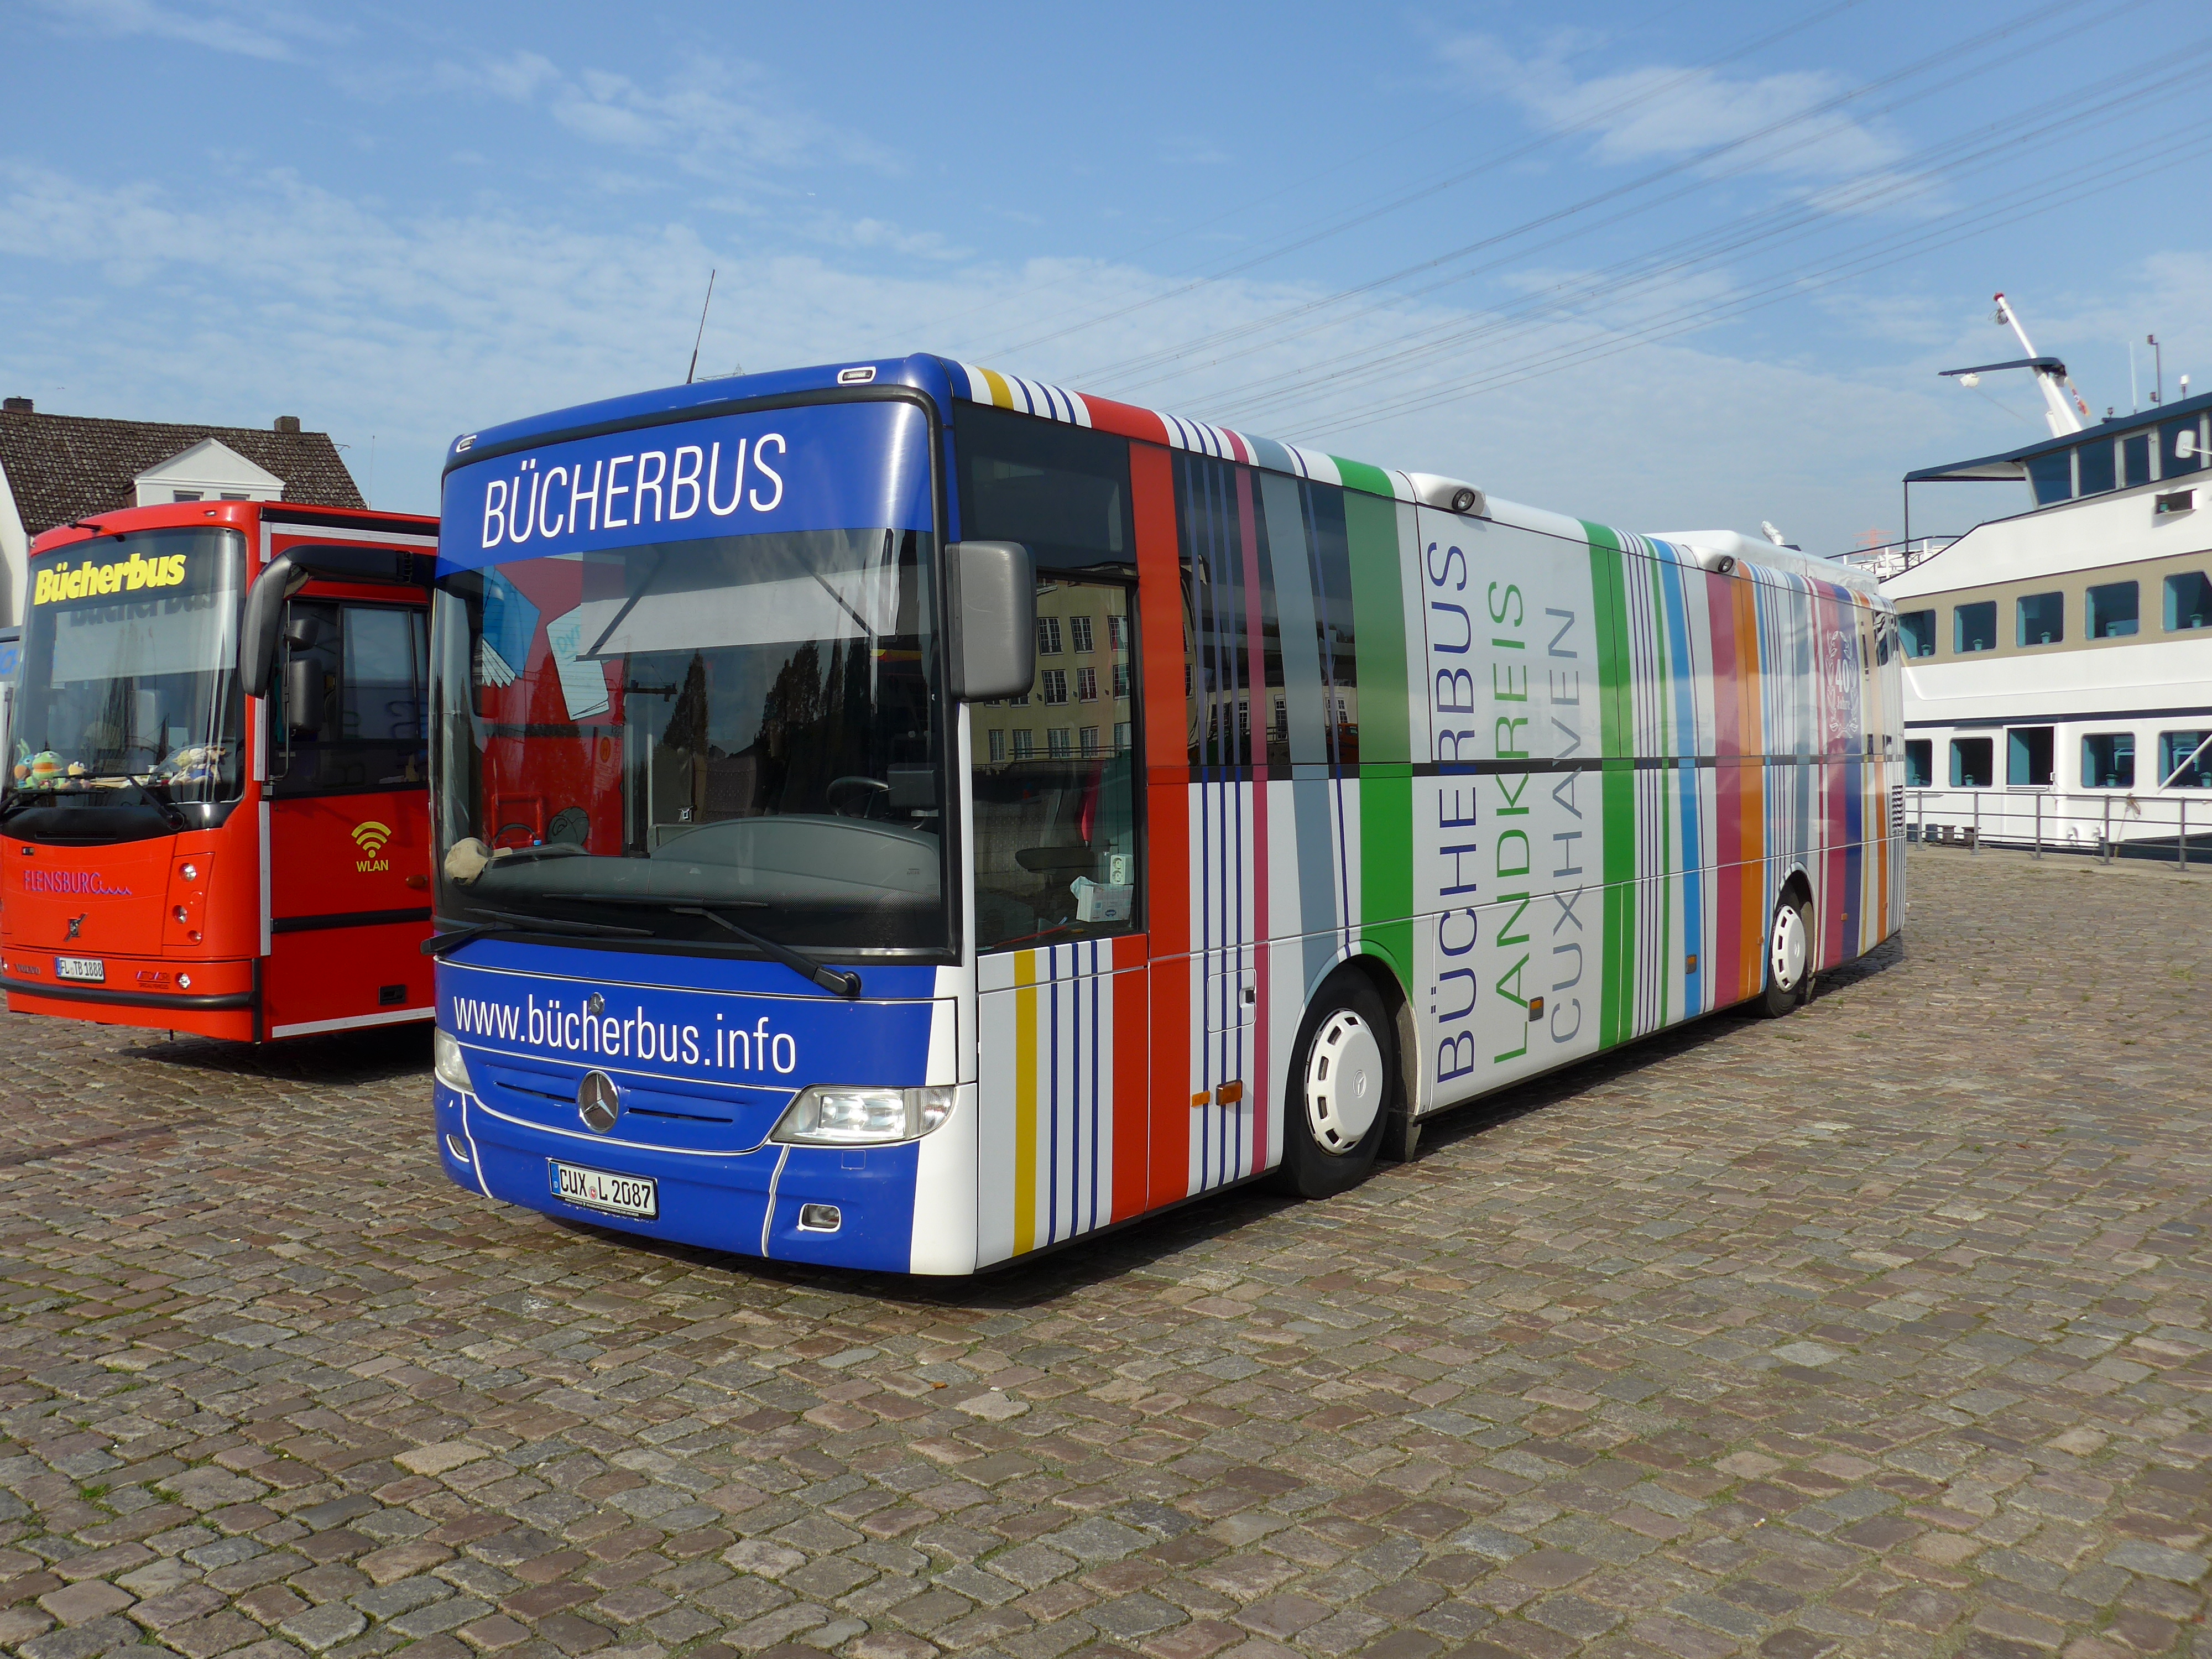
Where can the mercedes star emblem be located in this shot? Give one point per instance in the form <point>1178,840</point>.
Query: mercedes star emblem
<point>599,1102</point>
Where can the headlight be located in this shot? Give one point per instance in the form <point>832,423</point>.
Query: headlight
<point>446,1060</point>
<point>830,1115</point>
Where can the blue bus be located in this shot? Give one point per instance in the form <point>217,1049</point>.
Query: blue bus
<point>902,816</point>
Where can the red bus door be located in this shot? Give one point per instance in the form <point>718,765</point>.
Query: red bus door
<point>345,798</point>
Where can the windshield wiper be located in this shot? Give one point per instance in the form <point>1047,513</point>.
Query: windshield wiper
<point>551,849</point>
<point>829,979</point>
<point>167,809</point>
<point>514,921</point>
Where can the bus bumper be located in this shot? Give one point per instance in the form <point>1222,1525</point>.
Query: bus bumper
<point>747,1203</point>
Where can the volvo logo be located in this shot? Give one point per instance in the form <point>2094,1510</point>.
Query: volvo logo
<point>599,1102</point>
<point>76,923</point>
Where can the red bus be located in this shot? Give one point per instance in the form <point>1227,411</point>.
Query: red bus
<point>215,813</point>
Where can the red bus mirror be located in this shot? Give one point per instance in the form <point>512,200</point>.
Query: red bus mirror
<point>287,574</point>
<point>303,697</point>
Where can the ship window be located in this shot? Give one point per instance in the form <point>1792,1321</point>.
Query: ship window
<point>1919,763</point>
<point>1918,630</point>
<point>2042,618</point>
<point>2135,459</point>
<point>2097,471</point>
<point>2172,463</point>
<point>2188,601</point>
<point>2027,755</point>
<point>2108,760</point>
<point>2185,760</point>
<point>2112,610</point>
<point>1970,763</point>
<point>1974,628</point>
<point>2053,477</point>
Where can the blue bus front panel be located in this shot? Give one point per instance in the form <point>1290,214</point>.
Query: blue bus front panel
<point>701,1076</point>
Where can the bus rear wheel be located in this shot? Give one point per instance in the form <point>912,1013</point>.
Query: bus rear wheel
<point>1343,1078</point>
<point>1789,957</point>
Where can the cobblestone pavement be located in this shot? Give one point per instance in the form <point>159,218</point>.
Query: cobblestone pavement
<point>1880,1329</point>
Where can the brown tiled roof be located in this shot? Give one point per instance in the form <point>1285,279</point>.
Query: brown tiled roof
<point>63,467</point>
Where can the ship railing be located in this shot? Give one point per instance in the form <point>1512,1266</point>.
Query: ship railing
<point>1887,559</point>
<point>2101,824</point>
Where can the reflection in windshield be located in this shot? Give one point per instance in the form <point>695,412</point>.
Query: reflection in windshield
<point>128,680</point>
<point>647,735</point>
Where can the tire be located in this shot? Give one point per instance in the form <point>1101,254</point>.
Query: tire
<point>1789,957</point>
<point>1343,1088</point>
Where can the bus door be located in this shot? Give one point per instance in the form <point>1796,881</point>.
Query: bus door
<point>1060,969</point>
<point>345,814</point>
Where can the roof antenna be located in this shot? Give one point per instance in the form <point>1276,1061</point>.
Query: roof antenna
<point>702,334</point>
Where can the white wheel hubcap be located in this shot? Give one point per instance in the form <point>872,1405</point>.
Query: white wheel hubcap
<point>1788,953</point>
<point>1344,1082</point>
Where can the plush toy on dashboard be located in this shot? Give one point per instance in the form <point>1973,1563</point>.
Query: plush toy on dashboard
<point>194,765</point>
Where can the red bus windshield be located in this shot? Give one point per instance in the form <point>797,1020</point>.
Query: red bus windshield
<point>128,694</point>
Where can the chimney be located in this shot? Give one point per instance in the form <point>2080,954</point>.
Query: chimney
<point>16,406</point>
<point>288,422</point>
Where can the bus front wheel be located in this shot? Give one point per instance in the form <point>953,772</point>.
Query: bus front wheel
<point>1342,1077</point>
<point>1789,957</point>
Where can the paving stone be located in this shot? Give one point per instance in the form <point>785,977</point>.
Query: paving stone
<point>85,1602</point>
<point>1878,1330</point>
<point>318,1628</point>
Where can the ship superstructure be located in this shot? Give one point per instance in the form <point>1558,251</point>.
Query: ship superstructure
<point>2058,661</point>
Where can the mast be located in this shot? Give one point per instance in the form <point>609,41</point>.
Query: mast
<point>2049,375</point>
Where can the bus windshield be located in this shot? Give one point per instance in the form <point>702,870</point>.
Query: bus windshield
<point>692,741</point>
<point>129,692</point>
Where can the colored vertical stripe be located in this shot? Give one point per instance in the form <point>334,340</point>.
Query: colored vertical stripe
<point>1386,772</point>
<point>1749,874</point>
<point>1159,598</point>
<point>1025,1101</point>
<point>1372,480</point>
<point>1254,1106</point>
<point>1617,955</point>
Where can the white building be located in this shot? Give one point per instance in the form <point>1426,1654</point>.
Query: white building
<point>57,468</point>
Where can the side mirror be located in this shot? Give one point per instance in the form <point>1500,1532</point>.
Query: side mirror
<point>2184,445</point>
<point>992,588</point>
<point>287,574</point>
<point>264,621</point>
<point>303,696</point>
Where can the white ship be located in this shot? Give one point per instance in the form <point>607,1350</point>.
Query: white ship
<point>2058,661</point>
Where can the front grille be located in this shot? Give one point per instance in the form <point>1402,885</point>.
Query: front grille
<point>653,1112</point>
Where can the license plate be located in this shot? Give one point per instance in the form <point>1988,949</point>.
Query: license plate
<point>600,1189</point>
<point>87,968</point>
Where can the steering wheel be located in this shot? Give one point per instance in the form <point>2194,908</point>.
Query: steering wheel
<point>866,792</point>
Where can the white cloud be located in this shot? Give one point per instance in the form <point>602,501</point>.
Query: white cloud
<point>1774,124</point>
<point>711,114</point>
<point>415,325</point>
<point>248,30</point>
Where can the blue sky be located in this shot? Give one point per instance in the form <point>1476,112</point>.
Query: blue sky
<point>1672,265</point>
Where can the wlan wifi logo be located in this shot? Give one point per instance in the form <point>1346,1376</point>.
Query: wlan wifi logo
<point>370,836</point>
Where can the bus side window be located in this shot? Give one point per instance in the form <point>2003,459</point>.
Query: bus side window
<point>353,699</point>
<point>309,644</point>
<point>1056,781</point>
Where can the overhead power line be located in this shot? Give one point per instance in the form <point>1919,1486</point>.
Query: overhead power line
<point>1307,238</point>
<point>1111,374</point>
<point>2002,142</point>
<point>2031,200</point>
